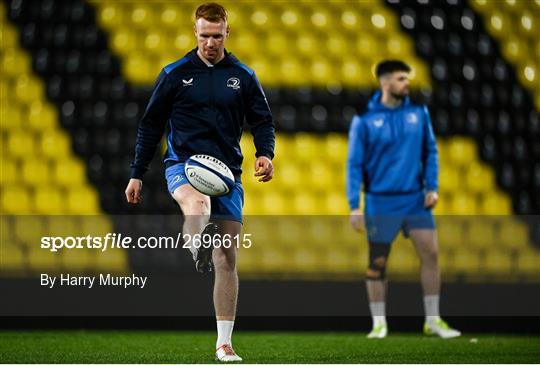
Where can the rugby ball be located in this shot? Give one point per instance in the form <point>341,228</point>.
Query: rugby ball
<point>209,175</point>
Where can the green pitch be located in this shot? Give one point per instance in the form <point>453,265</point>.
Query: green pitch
<point>259,347</point>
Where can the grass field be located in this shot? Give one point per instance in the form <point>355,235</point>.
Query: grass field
<point>259,347</point>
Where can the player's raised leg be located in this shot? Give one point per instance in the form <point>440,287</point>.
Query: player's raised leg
<point>427,247</point>
<point>226,291</point>
<point>196,209</point>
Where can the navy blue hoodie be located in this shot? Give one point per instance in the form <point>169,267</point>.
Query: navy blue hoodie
<point>203,110</point>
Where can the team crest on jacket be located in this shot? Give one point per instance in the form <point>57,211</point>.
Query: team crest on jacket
<point>412,118</point>
<point>378,123</point>
<point>233,83</point>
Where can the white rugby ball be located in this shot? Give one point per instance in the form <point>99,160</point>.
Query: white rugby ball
<point>209,175</point>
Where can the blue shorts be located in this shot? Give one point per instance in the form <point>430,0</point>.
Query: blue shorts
<point>386,215</point>
<point>227,207</point>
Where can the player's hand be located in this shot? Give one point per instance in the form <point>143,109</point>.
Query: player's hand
<point>133,191</point>
<point>264,168</point>
<point>430,200</point>
<point>357,220</point>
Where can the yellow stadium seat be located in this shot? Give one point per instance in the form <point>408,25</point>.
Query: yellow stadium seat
<point>49,200</point>
<point>11,117</point>
<point>138,68</point>
<point>69,172</point>
<point>156,41</point>
<point>306,260</point>
<point>467,262</point>
<point>288,176</point>
<point>277,41</point>
<point>15,62</point>
<point>9,173</point>
<point>528,75</point>
<point>514,50</point>
<point>366,47</point>
<point>350,19</point>
<point>55,145</point>
<point>449,179</point>
<point>274,261</point>
<point>306,203</point>
<point>95,225</point>
<point>528,262</point>
<point>171,15</point>
<point>319,232</point>
<point>40,260</point>
<point>6,230</point>
<point>248,261</point>
<point>124,41</point>
<point>336,44</point>
<point>20,144</point>
<point>63,226</point>
<point>42,116</point>
<point>451,231</point>
<point>336,203</point>
<point>263,18</point>
<point>142,15</point>
<point>513,234</point>
<point>292,18</point>
<point>111,261</point>
<point>319,176</point>
<point>82,200</point>
<point>12,259</point>
<point>461,151</point>
<point>495,203</point>
<point>306,147</point>
<point>110,15</point>
<point>307,44</point>
<point>321,71</point>
<point>275,204</point>
<point>15,200</point>
<point>481,233</point>
<point>322,19</point>
<point>404,260</point>
<point>79,260</point>
<point>480,178</point>
<point>498,262</point>
<point>463,204</point>
<point>183,42</point>
<point>35,172</point>
<point>336,147</point>
<point>28,89</point>
<point>8,36</point>
<point>28,230</point>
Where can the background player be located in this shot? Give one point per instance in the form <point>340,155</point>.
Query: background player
<point>393,153</point>
<point>203,100</point>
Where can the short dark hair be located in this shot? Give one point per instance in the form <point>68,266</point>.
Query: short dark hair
<point>212,12</point>
<point>389,66</point>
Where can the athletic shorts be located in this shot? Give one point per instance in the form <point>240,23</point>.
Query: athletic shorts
<point>227,207</point>
<point>386,215</point>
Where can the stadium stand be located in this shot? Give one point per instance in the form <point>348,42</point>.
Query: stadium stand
<point>42,182</point>
<point>99,62</point>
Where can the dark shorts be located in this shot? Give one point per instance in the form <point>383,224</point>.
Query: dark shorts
<point>227,207</point>
<point>386,215</point>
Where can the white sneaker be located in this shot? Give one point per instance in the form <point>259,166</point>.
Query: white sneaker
<point>379,331</point>
<point>225,353</point>
<point>440,328</point>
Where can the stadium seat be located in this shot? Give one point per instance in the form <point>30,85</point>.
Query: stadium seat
<point>49,200</point>
<point>40,260</point>
<point>16,200</point>
<point>12,261</point>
